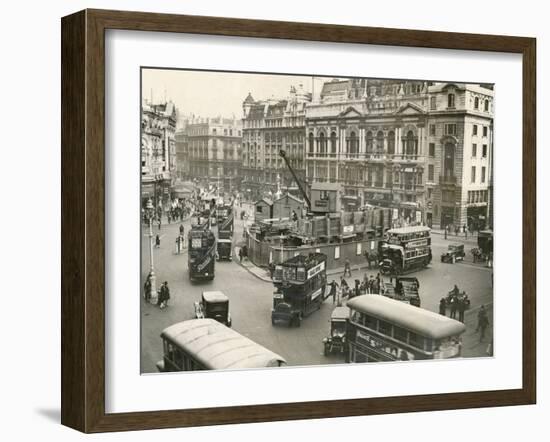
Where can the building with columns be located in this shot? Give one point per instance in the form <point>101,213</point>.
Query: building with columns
<point>406,145</point>
<point>370,136</point>
<point>269,126</point>
<point>158,150</point>
<point>214,151</point>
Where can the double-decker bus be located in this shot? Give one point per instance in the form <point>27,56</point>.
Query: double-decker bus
<point>383,329</point>
<point>405,249</point>
<point>301,283</point>
<point>206,344</point>
<point>201,257</point>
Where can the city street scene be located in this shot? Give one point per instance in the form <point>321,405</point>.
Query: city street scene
<point>311,220</point>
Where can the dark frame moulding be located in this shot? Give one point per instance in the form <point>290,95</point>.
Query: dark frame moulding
<point>83,217</point>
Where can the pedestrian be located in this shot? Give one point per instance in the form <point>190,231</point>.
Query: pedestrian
<point>333,291</point>
<point>147,288</point>
<point>482,322</point>
<point>164,295</point>
<point>357,288</point>
<point>182,229</point>
<point>160,222</point>
<point>465,229</point>
<point>343,284</point>
<point>445,232</point>
<point>240,254</point>
<point>371,284</point>
<point>157,241</point>
<point>443,307</point>
<point>345,290</point>
<point>461,306</point>
<point>169,215</point>
<point>454,302</point>
<point>347,267</point>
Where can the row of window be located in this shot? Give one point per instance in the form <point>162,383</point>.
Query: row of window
<point>291,122</point>
<point>485,130</point>
<point>410,143</point>
<point>478,196</point>
<point>226,131</point>
<point>483,151</point>
<point>483,174</point>
<point>451,103</point>
<point>392,331</point>
<point>449,129</point>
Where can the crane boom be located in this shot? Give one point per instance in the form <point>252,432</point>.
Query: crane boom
<point>302,190</point>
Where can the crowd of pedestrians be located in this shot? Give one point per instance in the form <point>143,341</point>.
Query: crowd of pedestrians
<point>368,285</point>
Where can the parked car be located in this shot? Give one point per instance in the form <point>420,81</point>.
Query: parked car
<point>454,253</point>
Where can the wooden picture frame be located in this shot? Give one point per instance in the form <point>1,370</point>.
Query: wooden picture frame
<point>83,219</point>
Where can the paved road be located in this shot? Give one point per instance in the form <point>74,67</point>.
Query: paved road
<point>251,299</point>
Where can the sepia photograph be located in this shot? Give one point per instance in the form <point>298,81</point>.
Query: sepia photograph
<point>306,220</point>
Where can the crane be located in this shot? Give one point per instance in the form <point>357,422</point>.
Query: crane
<point>302,190</point>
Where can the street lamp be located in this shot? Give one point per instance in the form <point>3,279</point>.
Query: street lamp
<point>150,211</point>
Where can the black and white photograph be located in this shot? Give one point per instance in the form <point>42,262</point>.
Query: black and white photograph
<point>310,220</point>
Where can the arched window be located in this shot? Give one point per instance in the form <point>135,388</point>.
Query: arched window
<point>322,144</point>
<point>352,143</point>
<point>333,142</point>
<point>451,100</point>
<point>391,142</point>
<point>380,141</point>
<point>486,105</point>
<point>369,141</point>
<point>449,160</point>
<point>476,103</point>
<point>311,141</point>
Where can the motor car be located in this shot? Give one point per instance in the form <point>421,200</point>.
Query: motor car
<point>214,305</point>
<point>336,342</point>
<point>455,252</point>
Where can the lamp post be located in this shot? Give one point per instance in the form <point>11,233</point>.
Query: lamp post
<point>150,210</point>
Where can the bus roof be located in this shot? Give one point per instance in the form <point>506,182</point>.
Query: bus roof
<point>218,347</point>
<point>307,261</point>
<point>410,229</point>
<point>415,319</point>
<point>214,296</point>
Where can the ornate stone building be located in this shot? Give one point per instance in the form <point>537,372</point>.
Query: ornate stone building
<point>214,151</point>
<point>402,144</point>
<point>158,150</point>
<point>268,127</point>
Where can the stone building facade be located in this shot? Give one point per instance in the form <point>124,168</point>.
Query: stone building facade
<point>408,145</point>
<point>182,153</point>
<point>158,151</point>
<point>214,151</point>
<point>460,140</point>
<point>268,127</point>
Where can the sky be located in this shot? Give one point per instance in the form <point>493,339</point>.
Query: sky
<point>211,94</point>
